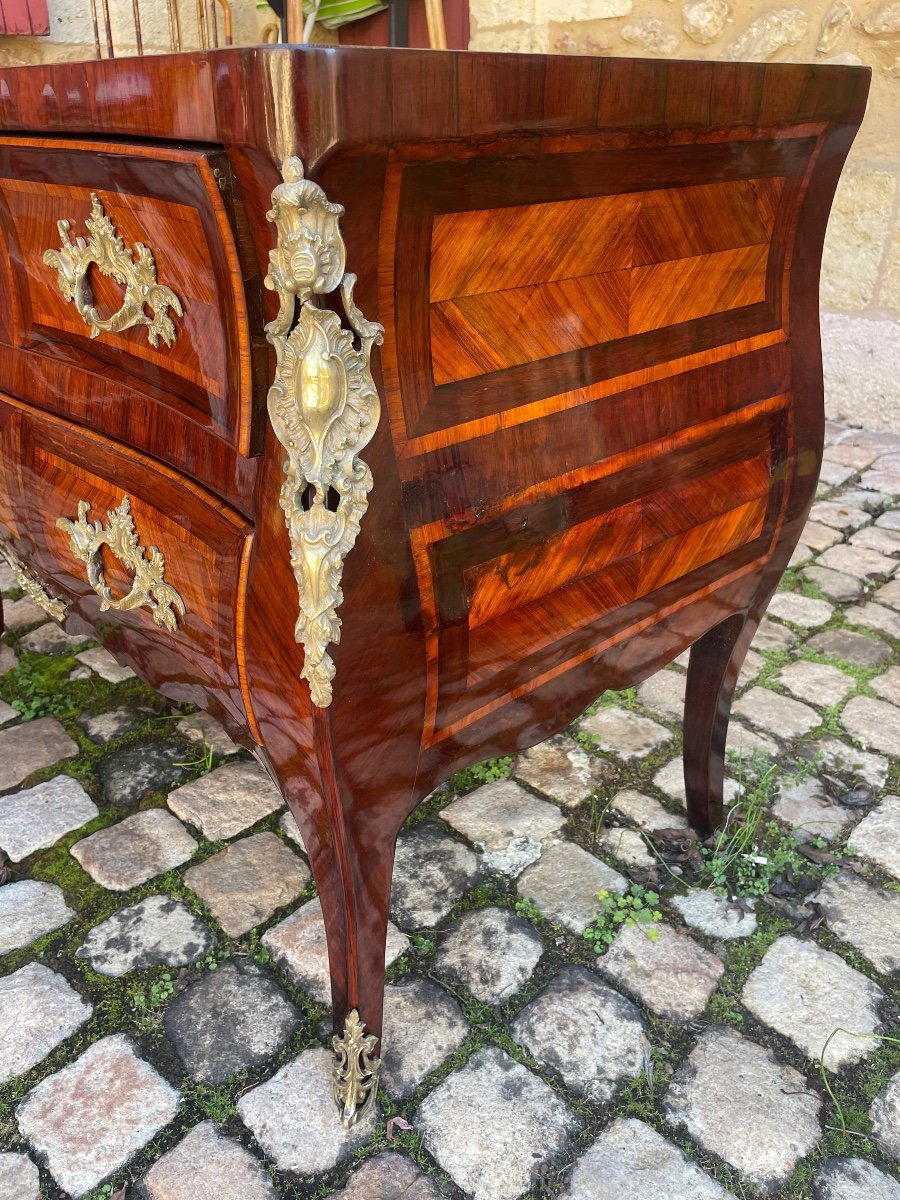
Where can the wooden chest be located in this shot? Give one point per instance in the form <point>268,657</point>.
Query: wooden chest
<point>582,436</point>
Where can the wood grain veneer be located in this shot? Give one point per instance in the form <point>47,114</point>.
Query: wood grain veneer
<point>600,379</point>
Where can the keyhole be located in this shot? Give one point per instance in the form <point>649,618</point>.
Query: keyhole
<point>308,497</point>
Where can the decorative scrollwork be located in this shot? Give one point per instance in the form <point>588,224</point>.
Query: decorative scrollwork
<point>355,1079</point>
<point>56,609</point>
<point>149,587</point>
<point>112,257</point>
<point>323,407</point>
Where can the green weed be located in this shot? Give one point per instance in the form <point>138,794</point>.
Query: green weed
<point>638,906</point>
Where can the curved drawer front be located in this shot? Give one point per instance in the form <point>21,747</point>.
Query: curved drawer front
<point>157,326</point>
<point>149,560</point>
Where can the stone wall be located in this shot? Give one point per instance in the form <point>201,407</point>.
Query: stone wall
<point>861,275</point>
<point>861,271</point>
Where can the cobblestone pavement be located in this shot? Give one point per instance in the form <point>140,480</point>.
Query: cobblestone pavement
<point>576,1006</point>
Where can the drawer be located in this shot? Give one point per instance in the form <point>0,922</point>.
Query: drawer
<point>148,559</point>
<point>188,364</point>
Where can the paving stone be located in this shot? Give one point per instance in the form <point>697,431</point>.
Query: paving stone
<point>105,665</point>
<point>753,664</point>
<point>19,1179</point>
<point>834,473</point>
<point>52,639</point>
<point>874,722</point>
<point>295,1120</point>
<point>854,1179</point>
<point>157,931</point>
<point>776,714</point>
<point>104,727</point>
<point>230,1019</point>
<point>38,1010</point>
<point>19,614</point>
<point>291,830</point>
<point>772,636</point>
<point>124,855</point>
<point>31,747</point>
<point>817,683</point>
<point>297,944</point>
<point>877,836</point>
<point>801,554</point>
<point>28,910</point>
<point>7,659</point>
<point>832,755</point>
<point>492,952</point>
<point>552,1029</point>
<point>226,801</point>
<point>646,812</point>
<point>493,1126</point>
<point>715,915</point>
<point>803,611</point>
<point>858,561</point>
<point>852,647</point>
<point>8,581</point>
<point>805,805</point>
<point>630,1161</point>
<point>388,1176</point>
<point>729,1083</point>
<point>837,585</point>
<point>850,456</point>
<point>887,481</point>
<point>206,731</point>
<point>207,1166</point>
<point>874,616</point>
<point>565,883</point>
<point>79,674</point>
<point>664,693</point>
<point>838,515</point>
<point>881,441</point>
<point>866,917</point>
<point>8,714</point>
<point>743,741</point>
<point>673,975</point>
<point>818,536</point>
<point>127,775</point>
<point>409,1053</point>
<point>879,539</point>
<point>628,846</point>
<point>39,816</point>
<point>888,594</point>
<point>431,872</point>
<point>805,993</point>
<point>561,769</point>
<point>505,821</point>
<point>244,884</point>
<point>889,519</point>
<point>885,1115</point>
<point>89,1119</point>
<point>744,744</point>
<point>888,685</point>
<point>624,733</point>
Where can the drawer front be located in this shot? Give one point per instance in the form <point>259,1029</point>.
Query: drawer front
<point>189,355</point>
<point>148,559</point>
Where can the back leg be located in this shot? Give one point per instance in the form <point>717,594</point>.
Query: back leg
<point>713,669</point>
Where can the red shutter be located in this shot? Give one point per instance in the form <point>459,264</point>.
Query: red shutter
<point>24,16</point>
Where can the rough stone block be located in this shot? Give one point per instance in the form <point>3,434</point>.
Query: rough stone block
<point>124,855</point>
<point>207,1166</point>
<point>800,610</point>
<point>715,915</point>
<point>244,884</point>
<point>646,812</point>
<point>816,683</point>
<point>492,1126</point>
<point>38,1010</point>
<point>775,713</point>
<point>127,775</point>
<point>422,1027</point>
<point>885,1114</point>
<point>432,870</point>
<point>226,801</point>
<point>491,952</point>
<point>673,975</point>
<point>624,733</point>
<point>19,1179</point>
<point>664,693</point>
<point>89,1119</point>
<point>499,817</point>
<point>561,769</point>
<point>31,747</point>
<point>877,836</point>
<point>206,731</point>
<point>157,931</point>
<point>854,1179</point>
<point>39,816</point>
<point>388,1176</point>
<point>105,665</point>
<point>565,883</point>
<point>866,917</point>
<point>873,722</point>
<point>854,648</point>
<point>28,910</point>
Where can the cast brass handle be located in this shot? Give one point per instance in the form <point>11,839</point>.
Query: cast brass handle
<point>112,257</point>
<point>56,609</point>
<point>149,587</point>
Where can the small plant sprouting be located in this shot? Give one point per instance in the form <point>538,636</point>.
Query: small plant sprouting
<point>528,909</point>
<point>636,907</point>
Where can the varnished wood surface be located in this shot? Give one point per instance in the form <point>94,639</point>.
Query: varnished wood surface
<point>601,385</point>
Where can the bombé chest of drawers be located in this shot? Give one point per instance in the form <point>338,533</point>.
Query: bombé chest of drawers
<point>392,405</point>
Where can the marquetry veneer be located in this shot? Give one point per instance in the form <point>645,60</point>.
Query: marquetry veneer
<point>585,439</point>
